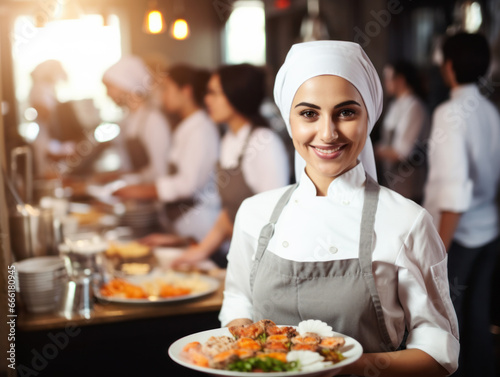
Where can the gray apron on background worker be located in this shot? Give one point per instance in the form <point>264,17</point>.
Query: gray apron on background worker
<point>233,188</point>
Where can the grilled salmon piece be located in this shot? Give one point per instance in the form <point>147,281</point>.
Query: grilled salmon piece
<point>332,343</point>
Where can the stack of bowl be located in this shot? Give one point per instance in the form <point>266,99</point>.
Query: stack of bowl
<point>140,216</point>
<point>41,282</point>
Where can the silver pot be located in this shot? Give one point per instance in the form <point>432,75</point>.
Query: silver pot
<point>33,230</point>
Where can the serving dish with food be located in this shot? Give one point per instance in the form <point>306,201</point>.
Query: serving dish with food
<point>266,349</point>
<point>156,287</point>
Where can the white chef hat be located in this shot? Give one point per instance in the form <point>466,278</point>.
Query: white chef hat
<point>338,58</point>
<point>131,74</point>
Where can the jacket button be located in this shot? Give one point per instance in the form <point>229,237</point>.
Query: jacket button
<point>333,249</point>
<point>285,244</point>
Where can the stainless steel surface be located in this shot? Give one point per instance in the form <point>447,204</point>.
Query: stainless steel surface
<point>28,173</point>
<point>78,298</point>
<point>33,230</point>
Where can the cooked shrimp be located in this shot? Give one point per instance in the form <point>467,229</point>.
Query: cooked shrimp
<point>252,330</point>
<point>304,347</point>
<point>221,360</point>
<point>248,344</point>
<point>307,338</point>
<point>277,330</point>
<point>276,347</point>
<point>278,338</point>
<point>332,343</point>
<point>192,345</point>
<point>193,353</point>
<point>244,354</point>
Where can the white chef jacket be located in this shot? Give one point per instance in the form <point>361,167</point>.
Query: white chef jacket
<point>463,165</point>
<point>194,152</point>
<point>265,162</point>
<point>153,129</point>
<point>409,259</point>
<point>407,117</point>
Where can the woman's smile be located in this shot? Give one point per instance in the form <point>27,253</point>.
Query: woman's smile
<point>329,151</point>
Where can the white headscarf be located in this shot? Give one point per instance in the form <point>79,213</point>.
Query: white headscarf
<point>338,58</point>
<point>130,74</point>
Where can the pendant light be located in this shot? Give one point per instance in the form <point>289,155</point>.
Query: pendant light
<point>154,22</point>
<point>313,27</point>
<point>180,27</point>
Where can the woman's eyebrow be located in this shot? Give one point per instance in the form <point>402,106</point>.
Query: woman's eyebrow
<point>345,103</point>
<point>306,104</point>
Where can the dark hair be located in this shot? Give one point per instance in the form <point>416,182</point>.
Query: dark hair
<point>196,78</point>
<point>411,75</point>
<point>469,55</point>
<point>245,88</point>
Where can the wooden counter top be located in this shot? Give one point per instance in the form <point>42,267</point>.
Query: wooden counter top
<point>112,312</point>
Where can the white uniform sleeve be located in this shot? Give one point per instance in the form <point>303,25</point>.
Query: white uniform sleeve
<point>237,293</point>
<point>194,167</point>
<point>423,291</point>
<point>449,183</point>
<point>156,139</point>
<point>408,130</point>
<point>265,163</point>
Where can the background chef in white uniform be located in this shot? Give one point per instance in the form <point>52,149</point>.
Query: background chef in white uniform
<point>405,129</point>
<point>369,267</point>
<point>188,189</point>
<point>460,194</point>
<point>144,140</point>
<point>253,158</point>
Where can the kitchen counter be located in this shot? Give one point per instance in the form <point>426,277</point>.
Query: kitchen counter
<point>118,339</point>
<point>111,313</point>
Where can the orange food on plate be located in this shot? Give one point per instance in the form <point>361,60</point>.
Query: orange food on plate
<point>167,290</point>
<point>123,289</point>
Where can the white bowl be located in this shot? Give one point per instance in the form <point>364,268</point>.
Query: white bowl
<point>39,264</point>
<point>166,255</point>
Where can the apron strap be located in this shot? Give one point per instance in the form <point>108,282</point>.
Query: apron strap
<point>245,146</point>
<point>372,190</point>
<point>268,230</point>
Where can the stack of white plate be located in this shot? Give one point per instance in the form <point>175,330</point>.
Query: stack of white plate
<point>41,282</point>
<point>139,214</point>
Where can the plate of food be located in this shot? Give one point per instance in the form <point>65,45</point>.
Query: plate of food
<point>265,349</point>
<point>157,287</point>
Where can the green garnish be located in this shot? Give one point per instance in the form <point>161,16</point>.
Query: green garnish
<point>264,364</point>
<point>262,338</point>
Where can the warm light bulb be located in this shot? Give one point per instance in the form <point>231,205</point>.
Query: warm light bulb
<point>180,29</point>
<point>155,22</point>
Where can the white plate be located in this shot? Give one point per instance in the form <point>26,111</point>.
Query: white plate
<point>213,285</point>
<point>352,351</point>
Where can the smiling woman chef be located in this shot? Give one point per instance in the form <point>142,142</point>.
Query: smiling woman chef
<point>337,246</point>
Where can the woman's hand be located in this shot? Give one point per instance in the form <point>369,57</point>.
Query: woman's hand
<point>190,257</point>
<point>239,322</point>
<point>144,191</point>
<point>160,239</point>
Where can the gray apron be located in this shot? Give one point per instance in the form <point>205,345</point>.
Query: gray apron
<point>235,189</point>
<point>341,293</point>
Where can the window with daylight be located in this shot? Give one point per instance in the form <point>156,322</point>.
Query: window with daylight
<point>245,33</point>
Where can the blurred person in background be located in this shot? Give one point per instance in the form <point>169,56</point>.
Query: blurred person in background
<point>405,128</point>
<point>460,194</point>
<point>144,139</point>
<point>43,98</point>
<point>187,188</point>
<point>252,159</point>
